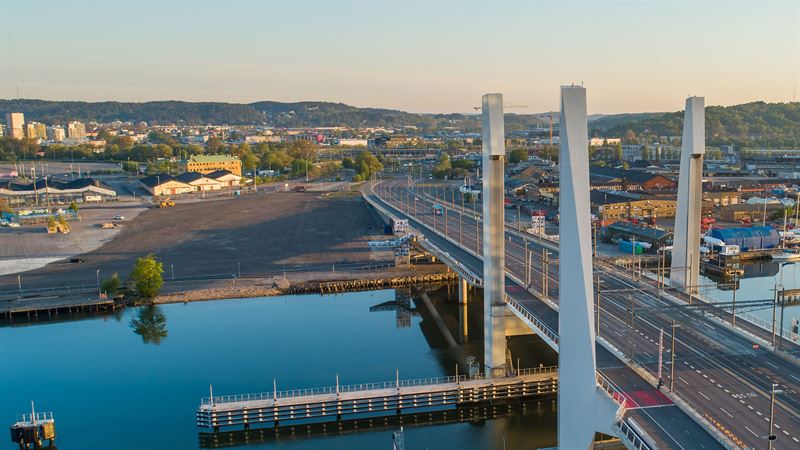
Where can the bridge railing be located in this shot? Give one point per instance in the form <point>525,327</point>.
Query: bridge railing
<point>333,390</point>
<point>633,437</point>
<point>549,333</point>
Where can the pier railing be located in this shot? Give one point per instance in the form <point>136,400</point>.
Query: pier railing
<point>36,417</point>
<point>333,390</point>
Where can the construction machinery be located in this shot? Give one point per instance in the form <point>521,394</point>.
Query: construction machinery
<point>166,203</point>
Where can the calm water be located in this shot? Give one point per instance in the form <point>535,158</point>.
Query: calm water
<point>133,381</point>
<point>758,283</point>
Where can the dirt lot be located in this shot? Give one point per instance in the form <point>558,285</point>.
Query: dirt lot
<point>30,247</point>
<point>265,233</point>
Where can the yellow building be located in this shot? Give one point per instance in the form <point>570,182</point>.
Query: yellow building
<point>212,163</point>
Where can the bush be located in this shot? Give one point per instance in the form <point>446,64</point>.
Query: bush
<point>111,284</point>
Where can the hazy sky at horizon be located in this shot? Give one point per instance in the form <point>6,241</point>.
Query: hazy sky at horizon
<point>437,56</point>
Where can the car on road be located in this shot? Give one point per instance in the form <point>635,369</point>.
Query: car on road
<point>118,217</point>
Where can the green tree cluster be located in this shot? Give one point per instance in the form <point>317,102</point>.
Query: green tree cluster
<point>366,164</point>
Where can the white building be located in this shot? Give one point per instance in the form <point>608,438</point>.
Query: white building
<point>56,134</point>
<point>15,124</point>
<point>76,130</point>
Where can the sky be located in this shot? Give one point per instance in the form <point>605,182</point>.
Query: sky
<point>419,56</point>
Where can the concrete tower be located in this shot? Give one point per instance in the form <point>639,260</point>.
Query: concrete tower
<point>685,266</point>
<point>494,305</point>
<point>582,407</point>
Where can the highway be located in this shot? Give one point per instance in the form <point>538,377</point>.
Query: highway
<point>718,372</point>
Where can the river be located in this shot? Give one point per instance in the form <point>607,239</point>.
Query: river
<point>133,380</point>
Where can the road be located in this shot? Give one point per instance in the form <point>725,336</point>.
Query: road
<point>718,372</point>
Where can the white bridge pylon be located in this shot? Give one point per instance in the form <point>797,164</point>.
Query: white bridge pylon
<point>583,407</point>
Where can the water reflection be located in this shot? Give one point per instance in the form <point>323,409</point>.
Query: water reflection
<point>150,324</point>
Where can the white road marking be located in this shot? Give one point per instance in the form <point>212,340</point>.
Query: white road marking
<point>726,412</point>
<point>705,397</point>
<point>686,382</point>
<point>773,365</point>
<point>759,413</point>
<point>798,379</point>
<point>751,431</point>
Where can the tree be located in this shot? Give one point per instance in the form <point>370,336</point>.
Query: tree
<point>618,151</point>
<point>348,163</point>
<point>518,155</point>
<point>111,284</point>
<point>148,273</point>
<point>366,165</point>
<point>73,207</point>
<point>465,164</point>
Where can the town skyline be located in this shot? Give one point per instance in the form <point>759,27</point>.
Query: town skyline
<point>410,56</point>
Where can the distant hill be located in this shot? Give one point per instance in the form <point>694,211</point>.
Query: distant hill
<point>162,112</point>
<point>750,124</point>
<point>756,124</point>
<point>277,114</point>
<point>606,121</point>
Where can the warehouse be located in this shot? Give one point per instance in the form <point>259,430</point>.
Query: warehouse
<point>56,192</point>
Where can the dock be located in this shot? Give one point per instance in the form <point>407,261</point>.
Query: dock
<point>371,399</point>
<point>50,307</point>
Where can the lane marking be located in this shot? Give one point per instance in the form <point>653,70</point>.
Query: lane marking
<point>726,412</point>
<point>705,397</point>
<point>751,431</point>
<point>686,382</point>
<point>773,365</point>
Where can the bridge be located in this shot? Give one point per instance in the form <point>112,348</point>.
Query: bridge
<point>723,375</point>
<point>690,377</point>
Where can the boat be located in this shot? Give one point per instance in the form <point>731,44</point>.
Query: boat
<point>787,256</point>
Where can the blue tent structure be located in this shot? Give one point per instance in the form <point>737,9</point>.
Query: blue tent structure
<point>748,238</point>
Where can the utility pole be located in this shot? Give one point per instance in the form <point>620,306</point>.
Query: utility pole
<point>733,310</point>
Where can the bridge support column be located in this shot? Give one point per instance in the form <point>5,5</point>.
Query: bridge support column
<point>463,291</point>
<point>583,408</point>
<point>685,266</point>
<point>494,305</point>
<point>463,309</point>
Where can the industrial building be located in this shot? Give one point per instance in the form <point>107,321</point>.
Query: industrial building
<point>612,206</point>
<point>656,237</point>
<point>82,190</point>
<point>211,163</point>
<point>189,182</point>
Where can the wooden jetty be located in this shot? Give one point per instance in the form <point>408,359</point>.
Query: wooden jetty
<point>370,399</point>
<point>47,307</point>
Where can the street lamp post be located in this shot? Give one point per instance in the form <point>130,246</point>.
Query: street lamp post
<point>771,438</point>
<point>672,356</point>
<point>19,282</point>
<point>98,277</point>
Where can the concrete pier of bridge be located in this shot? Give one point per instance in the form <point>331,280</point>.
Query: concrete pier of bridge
<point>685,266</point>
<point>494,268</point>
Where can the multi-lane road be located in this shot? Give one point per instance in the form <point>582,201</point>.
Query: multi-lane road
<point>718,372</point>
